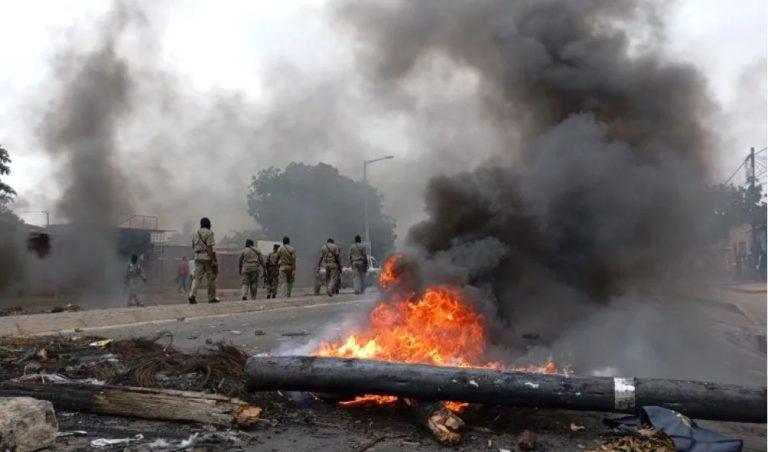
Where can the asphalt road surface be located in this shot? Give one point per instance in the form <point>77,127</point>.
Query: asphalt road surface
<point>277,331</point>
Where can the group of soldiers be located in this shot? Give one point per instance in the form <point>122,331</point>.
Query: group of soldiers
<point>278,268</point>
<point>330,261</point>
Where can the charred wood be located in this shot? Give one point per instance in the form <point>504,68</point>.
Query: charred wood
<point>439,420</point>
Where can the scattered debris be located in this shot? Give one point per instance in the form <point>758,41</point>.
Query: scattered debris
<point>370,443</point>
<point>104,442</point>
<point>442,422</point>
<point>526,440</point>
<point>15,310</point>
<point>259,333</point>
<point>297,333</point>
<point>236,332</point>
<point>102,343</point>
<point>137,362</point>
<point>642,443</point>
<point>577,427</point>
<point>71,433</point>
<point>55,379</point>
<point>68,308</point>
<point>657,427</point>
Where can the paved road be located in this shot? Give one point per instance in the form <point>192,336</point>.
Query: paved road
<point>279,330</point>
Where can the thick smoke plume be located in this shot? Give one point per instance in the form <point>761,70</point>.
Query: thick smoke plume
<point>594,191</point>
<point>80,131</point>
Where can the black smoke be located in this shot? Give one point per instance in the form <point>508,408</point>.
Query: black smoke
<point>90,99</point>
<point>595,189</point>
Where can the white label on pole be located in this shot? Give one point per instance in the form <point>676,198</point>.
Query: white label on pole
<point>624,393</point>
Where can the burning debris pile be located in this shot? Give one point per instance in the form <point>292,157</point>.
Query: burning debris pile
<point>435,325</point>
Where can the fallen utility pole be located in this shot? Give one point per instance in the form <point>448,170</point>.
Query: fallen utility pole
<point>699,400</point>
<point>145,403</point>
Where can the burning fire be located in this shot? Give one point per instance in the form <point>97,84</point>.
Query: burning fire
<point>438,328</point>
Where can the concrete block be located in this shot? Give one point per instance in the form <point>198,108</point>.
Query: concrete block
<point>26,424</point>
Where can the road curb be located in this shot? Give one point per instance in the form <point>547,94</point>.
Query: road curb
<point>39,324</point>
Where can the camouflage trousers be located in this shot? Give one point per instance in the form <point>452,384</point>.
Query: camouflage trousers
<point>286,281</point>
<point>204,269</point>
<point>331,278</point>
<point>250,282</point>
<point>358,276</point>
<point>271,280</point>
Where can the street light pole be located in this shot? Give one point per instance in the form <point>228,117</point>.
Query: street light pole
<point>365,198</point>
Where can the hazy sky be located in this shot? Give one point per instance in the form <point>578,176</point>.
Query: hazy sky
<point>232,45</point>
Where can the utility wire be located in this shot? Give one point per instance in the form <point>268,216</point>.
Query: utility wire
<point>743,162</point>
<point>735,172</point>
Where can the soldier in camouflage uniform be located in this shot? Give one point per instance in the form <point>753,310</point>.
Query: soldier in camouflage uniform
<point>286,266</point>
<point>330,258</point>
<point>206,264</point>
<point>271,272</point>
<point>249,265</point>
<point>133,273</point>
<point>358,260</point>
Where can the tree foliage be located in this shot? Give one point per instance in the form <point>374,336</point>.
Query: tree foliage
<point>310,203</point>
<point>731,206</point>
<point>6,192</point>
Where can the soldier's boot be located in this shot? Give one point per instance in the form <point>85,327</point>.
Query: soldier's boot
<point>244,291</point>
<point>193,291</point>
<point>254,289</point>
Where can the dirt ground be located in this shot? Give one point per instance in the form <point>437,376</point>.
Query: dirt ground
<point>320,426</point>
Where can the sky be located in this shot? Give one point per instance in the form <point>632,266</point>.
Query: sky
<point>233,46</point>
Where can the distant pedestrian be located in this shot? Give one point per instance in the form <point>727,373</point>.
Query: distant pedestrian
<point>133,273</point>
<point>286,265</point>
<point>182,274</point>
<point>206,263</point>
<point>249,265</point>
<point>358,260</point>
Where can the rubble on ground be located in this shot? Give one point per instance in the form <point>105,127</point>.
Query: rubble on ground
<point>141,362</point>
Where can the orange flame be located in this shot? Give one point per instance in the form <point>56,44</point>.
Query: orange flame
<point>437,328</point>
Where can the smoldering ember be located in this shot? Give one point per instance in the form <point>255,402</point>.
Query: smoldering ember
<point>376,225</point>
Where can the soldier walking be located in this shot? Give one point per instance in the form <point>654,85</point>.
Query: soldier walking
<point>133,273</point>
<point>286,266</point>
<point>249,265</point>
<point>206,264</point>
<point>358,260</point>
<point>271,272</point>
<point>330,258</point>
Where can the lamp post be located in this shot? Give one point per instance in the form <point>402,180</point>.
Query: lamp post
<point>365,179</point>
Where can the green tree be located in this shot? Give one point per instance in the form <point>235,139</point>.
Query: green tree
<point>730,206</point>
<point>310,203</point>
<point>6,192</point>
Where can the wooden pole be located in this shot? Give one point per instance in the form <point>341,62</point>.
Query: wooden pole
<point>699,400</point>
<point>146,403</point>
